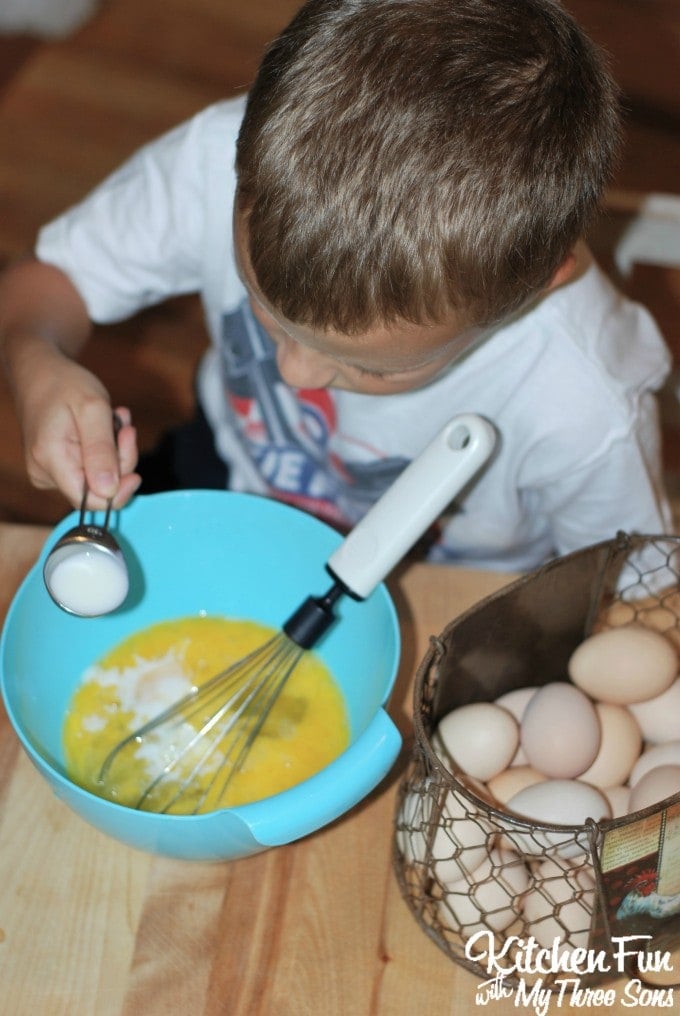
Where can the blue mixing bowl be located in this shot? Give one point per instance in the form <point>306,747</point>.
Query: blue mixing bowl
<point>223,553</point>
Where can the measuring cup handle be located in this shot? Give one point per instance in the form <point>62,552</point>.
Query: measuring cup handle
<point>117,424</point>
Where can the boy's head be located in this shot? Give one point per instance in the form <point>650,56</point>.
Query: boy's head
<point>421,160</point>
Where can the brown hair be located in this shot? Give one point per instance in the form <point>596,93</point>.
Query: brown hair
<point>410,159</point>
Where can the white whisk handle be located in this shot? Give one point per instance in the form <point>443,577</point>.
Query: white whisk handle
<point>412,503</point>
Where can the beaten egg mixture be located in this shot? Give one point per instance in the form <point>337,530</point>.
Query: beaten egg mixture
<point>306,729</point>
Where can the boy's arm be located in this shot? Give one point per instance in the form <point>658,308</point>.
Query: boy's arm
<point>64,410</point>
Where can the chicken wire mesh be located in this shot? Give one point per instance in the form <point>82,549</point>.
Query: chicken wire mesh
<point>471,872</point>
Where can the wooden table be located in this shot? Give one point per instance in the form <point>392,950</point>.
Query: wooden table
<point>89,927</point>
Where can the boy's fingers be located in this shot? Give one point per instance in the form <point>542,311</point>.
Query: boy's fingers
<point>127,457</point>
<point>54,456</point>
<point>99,452</point>
<point>127,442</point>
<point>128,486</point>
<point>80,449</point>
<point>109,458</point>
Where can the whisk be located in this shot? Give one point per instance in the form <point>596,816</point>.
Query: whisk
<point>212,729</point>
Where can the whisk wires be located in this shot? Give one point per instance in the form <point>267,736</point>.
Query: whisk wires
<point>200,743</point>
<point>197,745</point>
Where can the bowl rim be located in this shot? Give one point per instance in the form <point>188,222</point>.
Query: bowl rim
<point>51,769</point>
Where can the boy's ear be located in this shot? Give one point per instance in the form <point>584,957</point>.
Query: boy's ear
<point>564,273</point>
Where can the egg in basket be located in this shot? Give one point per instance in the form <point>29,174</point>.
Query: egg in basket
<point>541,803</point>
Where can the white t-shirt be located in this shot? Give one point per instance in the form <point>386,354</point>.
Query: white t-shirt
<point>568,385</point>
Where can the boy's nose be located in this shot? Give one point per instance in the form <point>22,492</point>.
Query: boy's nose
<point>301,367</point>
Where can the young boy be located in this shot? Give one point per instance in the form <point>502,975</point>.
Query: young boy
<point>385,233</point>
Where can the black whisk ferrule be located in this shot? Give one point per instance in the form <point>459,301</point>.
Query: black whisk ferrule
<point>313,617</point>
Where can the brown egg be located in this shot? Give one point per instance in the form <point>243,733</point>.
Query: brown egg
<point>508,783</point>
<point>659,717</point>
<point>624,665</point>
<point>620,746</point>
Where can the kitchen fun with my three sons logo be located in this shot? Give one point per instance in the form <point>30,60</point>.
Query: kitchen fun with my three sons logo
<point>531,978</point>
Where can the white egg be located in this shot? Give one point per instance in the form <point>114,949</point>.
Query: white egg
<point>479,739</point>
<point>453,842</point>
<point>508,783</point>
<point>656,785</point>
<point>462,839</point>
<point>490,899</point>
<point>515,702</point>
<point>624,665</point>
<point>560,802</point>
<point>555,802</point>
<point>558,905</point>
<point>560,731</point>
<point>659,717</point>
<point>667,753</point>
<point>620,746</point>
<point>619,800</point>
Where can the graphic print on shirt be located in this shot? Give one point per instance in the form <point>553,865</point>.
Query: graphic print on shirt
<point>291,433</point>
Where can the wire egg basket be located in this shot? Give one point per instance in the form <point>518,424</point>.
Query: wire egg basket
<point>479,879</point>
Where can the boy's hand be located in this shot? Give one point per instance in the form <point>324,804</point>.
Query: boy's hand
<point>64,410</point>
<point>69,437</point>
